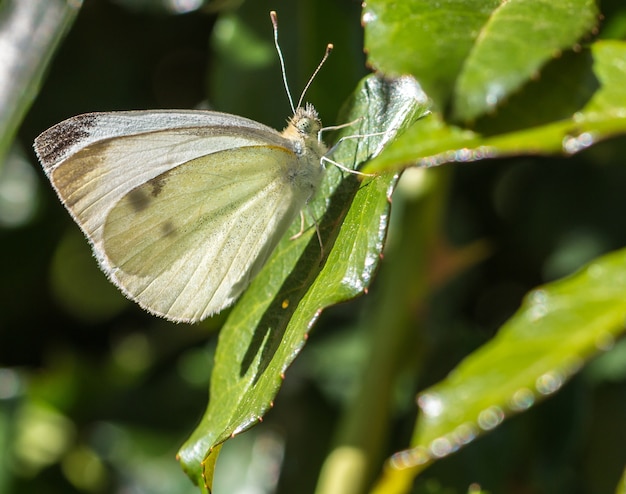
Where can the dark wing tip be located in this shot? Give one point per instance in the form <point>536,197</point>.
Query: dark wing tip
<point>56,143</point>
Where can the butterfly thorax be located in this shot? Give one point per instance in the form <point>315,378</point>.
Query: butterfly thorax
<point>302,132</point>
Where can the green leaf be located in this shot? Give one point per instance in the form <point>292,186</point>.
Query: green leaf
<point>470,55</point>
<point>518,39</point>
<point>558,328</point>
<point>603,114</point>
<point>429,41</point>
<point>29,35</point>
<point>269,326</point>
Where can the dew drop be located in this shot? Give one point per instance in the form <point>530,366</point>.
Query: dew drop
<point>538,308</point>
<point>483,152</point>
<point>368,17</point>
<point>463,155</point>
<point>409,458</point>
<point>522,399</point>
<point>465,433</point>
<point>441,447</point>
<point>431,404</point>
<point>490,418</point>
<point>538,297</point>
<point>495,92</point>
<point>572,145</point>
<point>549,382</point>
<point>537,312</point>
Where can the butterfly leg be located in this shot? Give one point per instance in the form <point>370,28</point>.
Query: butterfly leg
<point>299,234</point>
<point>317,230</point>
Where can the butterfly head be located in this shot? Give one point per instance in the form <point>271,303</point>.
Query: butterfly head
<point>306,121</point>
<point>304,125</point>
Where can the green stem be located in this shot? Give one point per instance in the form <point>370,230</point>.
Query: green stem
<point>392,327</point>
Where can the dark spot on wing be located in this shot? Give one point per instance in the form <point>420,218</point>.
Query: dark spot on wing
<point>157,184</point>
<point>168,228</point>
<point>52,145</point>
<point>138,199</point>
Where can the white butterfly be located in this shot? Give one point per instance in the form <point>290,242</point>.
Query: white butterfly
<point>183,208</point>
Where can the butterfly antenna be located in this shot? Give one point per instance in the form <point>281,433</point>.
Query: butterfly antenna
<point>329,48</point>
<point>274,18</point>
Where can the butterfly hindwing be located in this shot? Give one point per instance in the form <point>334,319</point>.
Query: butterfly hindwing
<point>186,243</point>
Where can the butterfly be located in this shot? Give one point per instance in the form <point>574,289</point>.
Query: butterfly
<point>183,208</point>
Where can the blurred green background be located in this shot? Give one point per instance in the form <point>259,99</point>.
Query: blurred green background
<point>97,396</point>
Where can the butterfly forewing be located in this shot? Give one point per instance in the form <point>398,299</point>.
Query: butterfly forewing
<point>93,164</point>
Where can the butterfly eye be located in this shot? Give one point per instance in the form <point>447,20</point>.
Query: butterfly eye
<point>305,125</point>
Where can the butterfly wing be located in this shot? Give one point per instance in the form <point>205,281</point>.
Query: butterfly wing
<point>94,159</point>
<point>121,175</point>
<point>187,243</point>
